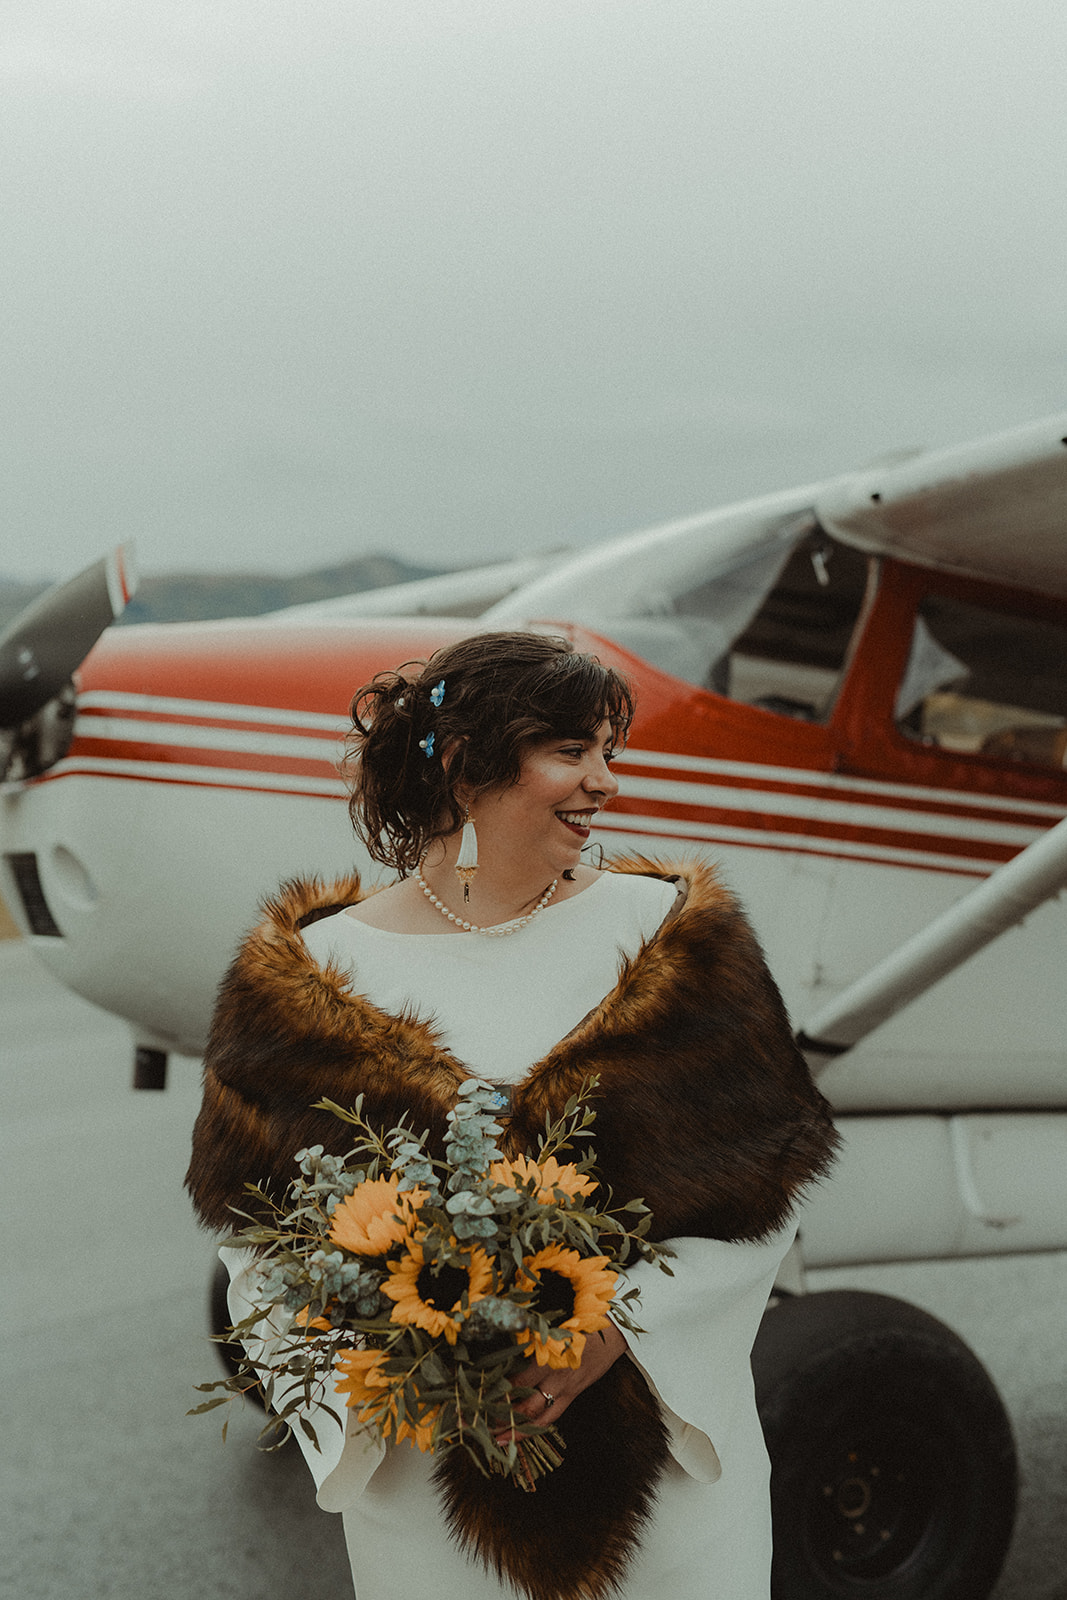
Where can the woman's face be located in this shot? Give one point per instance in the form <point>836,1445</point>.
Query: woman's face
<point>546,815</point>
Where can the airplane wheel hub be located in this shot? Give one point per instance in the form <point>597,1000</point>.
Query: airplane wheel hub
<point>866,1516</point>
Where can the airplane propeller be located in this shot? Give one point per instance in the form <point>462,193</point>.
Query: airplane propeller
<point>46,643</point>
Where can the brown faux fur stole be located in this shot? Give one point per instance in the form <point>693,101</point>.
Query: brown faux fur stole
<point>574,1538</point>
<point>704,1109</point>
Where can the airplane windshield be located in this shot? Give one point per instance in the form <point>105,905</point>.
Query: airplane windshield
<point>773,631</point>
<point>690,633</point>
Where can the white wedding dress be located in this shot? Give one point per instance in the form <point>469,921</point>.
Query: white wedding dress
<point>500,1004</point>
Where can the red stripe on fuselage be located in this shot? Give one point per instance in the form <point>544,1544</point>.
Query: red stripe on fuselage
<point>237,724</point>
<point>749,820</point>
<point>800,847</point>
<point>183,781</point>
<point>196,756</point>
<point>757,822</point>
<point>846,793</point>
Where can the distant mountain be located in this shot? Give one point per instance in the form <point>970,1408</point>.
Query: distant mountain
<point>202,596</point>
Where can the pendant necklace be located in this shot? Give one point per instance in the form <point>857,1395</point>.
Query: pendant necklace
<point>502,929</point>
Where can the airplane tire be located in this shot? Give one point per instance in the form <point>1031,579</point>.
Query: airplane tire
<point>893,1469</point>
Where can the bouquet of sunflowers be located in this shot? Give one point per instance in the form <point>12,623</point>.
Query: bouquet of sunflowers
<point>417,1288</point>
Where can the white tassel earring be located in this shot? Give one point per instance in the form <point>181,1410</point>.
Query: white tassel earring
<point>467,860</point>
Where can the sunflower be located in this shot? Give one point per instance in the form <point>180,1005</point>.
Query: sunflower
<point>547,1174</point>
<point>420,1433</point>
<point>375,1216</point>
<point>580,1287</point>
<point>429,1298</point>
<point>359,1376</point>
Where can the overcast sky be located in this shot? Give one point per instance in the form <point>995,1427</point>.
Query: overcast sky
<point>283,283</point>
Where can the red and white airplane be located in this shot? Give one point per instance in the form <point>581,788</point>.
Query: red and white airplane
<point>853,696</point>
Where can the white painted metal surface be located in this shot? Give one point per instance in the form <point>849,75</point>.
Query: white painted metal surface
<point>913,1188</point>
<point>1002,901</point>
<point>994,509</point>
<point>451,594</point>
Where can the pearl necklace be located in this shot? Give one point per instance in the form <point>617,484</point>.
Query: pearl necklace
<point>502,929</point>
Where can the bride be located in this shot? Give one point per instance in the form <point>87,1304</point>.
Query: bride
<point>477,777</point>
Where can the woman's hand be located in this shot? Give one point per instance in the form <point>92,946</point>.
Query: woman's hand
<point>555,1387</point>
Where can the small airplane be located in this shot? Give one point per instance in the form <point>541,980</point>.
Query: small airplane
<point>853,696</point>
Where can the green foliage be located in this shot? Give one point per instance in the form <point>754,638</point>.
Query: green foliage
<point>459,1231</point>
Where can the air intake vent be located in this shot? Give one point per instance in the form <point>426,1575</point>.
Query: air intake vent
<point>23,866</point>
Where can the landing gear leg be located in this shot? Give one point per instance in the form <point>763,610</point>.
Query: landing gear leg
<point>149,1067</point>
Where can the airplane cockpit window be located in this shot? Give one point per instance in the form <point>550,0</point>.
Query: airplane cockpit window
<point>772,628</point>
<point>790,654</point>
<point>688,632</point>
<point>983,682</point>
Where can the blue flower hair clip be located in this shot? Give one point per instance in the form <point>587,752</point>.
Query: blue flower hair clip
<point>426,746</point>
<point>437,694</point>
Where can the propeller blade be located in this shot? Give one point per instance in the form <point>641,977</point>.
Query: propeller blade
<point>48,641</point>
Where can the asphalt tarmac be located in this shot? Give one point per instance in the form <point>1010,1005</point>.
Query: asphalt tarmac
<point>108,1489</point>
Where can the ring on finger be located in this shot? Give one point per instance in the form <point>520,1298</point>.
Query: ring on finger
<point>550,1398</point>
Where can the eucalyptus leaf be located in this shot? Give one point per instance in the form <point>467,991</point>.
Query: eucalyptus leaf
<point>434,1368</point>
<point>208,1405</point>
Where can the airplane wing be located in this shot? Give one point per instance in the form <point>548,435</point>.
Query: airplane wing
<point>994,509</point>
<point>466,593</point>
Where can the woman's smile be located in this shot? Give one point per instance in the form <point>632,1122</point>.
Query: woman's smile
<point>578,822</point>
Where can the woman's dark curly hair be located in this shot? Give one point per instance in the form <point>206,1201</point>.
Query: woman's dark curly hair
<point>503,692</point>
